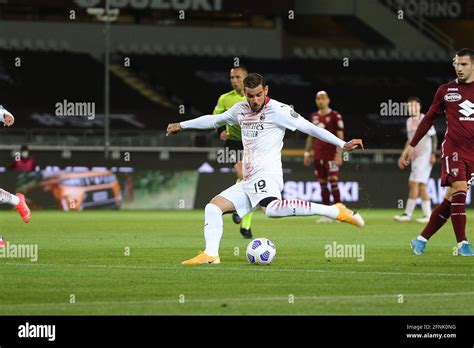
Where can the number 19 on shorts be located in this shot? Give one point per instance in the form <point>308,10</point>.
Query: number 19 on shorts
<point>259,186</point>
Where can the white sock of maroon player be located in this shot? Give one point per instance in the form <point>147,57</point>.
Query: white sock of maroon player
<point>298,207</point>
<point>213,228</point>
<point>7,197</point>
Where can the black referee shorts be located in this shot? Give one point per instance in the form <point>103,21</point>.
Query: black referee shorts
<point>236,146</point>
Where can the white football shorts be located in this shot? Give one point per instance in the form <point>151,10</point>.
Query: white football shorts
<point>247,194</point>
<point>421,169</point>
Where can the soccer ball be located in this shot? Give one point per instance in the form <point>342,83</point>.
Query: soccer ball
<point>261,251</point>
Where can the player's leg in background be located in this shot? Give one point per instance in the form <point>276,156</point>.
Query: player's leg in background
<point>8,198</point>
<point>413,192</point>
<point>333,179</point>
<point>232,145</point>
<point>321,175</point>
<point>326,199</point>
<point>336,195</point>
<point>325,193</point>
<point>425,203</point>
<point>238,171</point>
<point>246,221</point>
<point>18,201</point>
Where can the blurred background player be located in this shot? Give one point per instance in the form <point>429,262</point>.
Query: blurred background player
<point>327,157</point>
<point>18,200</point>
<point>232,136</point>
<point>424,157</point>
<point>454,99</point>
<point>25,163</point>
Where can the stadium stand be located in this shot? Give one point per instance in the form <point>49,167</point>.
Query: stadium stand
<point>43,76</point>
<point>357,91</point>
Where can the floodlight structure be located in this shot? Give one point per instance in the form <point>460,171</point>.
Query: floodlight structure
<point>107,16</point>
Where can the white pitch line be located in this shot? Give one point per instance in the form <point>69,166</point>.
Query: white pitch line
<point>239,299</point>
<point>250,268</point>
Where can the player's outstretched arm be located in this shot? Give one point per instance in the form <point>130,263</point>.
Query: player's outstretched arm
<point>295,121</point>
<point>203,122</point>
<point>6,117</point>
<point>307,151</point>
<point>206,121</point>
<point>353,145</point>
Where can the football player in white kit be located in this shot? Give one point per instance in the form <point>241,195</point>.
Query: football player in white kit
<point>424,156</point>
<point>263,122</point>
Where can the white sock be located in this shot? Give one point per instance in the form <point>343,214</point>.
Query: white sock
<point>213,228</point>
<point>411,203</point>
<point>420,237</point>
<point>7,197</point>
<point>298,207</point>
<point>426,207</point>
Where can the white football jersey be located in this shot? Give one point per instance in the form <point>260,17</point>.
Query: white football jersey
<point>423,148</point>
<point>262,134</point>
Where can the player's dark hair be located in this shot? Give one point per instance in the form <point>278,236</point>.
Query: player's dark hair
<point>466,52</point>
<point>254,80</point>
<point>241,67</point>
<point>412,98</point>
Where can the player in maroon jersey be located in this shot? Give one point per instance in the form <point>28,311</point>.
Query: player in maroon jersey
<point>455,100</point>
<point>327,158</point>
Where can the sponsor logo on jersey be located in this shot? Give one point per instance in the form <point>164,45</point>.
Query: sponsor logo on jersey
<point>452,89</point>
<point>452,97</point>
<point>294,114</point>
<point>467,108</point>
<point>455,172</point>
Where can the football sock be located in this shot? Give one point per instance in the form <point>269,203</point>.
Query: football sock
<point>213,228</point>
<point>458,215</point>
<point>298,207</point>
<point>422,238</point>
<point>438,218</point>
<point>336,195</point>
<point>247,221</point>
<point>411,203</point>
<point>325,194</point>
<point>426,207</point>
<point>7,197</point>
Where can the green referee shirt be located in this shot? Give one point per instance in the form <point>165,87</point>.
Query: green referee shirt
<point>225,102</point>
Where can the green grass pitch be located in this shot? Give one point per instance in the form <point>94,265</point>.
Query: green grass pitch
<point>81,256</point>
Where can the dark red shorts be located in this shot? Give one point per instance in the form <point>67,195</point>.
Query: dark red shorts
<point>324,169</point>
<point>455,169</point>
